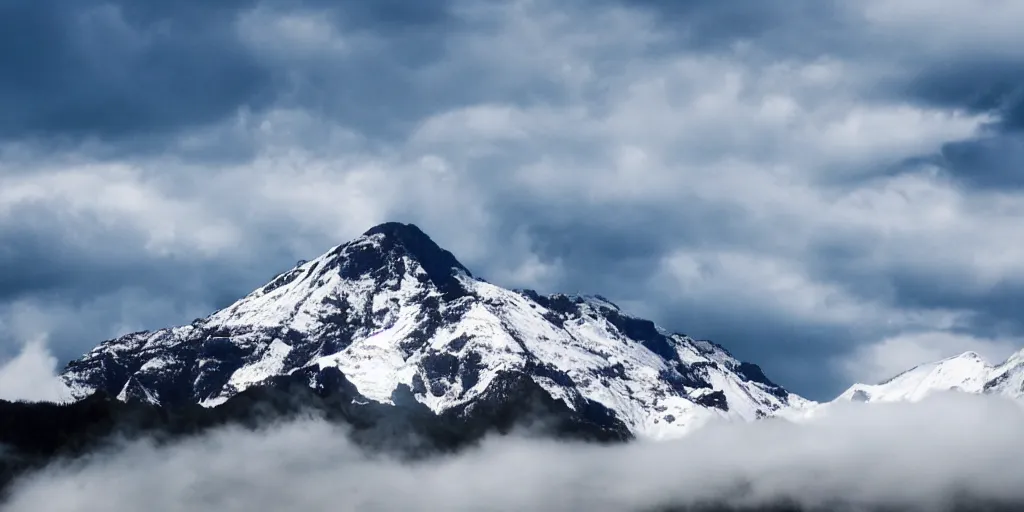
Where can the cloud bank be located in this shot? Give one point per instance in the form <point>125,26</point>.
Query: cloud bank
<point>925,456</point>
<point>31,376</point>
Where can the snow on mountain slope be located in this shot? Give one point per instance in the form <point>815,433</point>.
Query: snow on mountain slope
<point>1007,379</point>
<point>393,311</point>
<point>967,372</point>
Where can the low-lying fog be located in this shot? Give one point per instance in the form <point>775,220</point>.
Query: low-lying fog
<point>920,454</point>
<point>924,454</point>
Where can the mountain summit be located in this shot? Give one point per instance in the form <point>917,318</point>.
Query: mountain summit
<point>404,323</point>
<point>398,239</point>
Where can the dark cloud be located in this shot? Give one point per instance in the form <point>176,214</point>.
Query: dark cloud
<point>979,85</point>
<point>995,161</point>
<point>984,86</point>
<point>90,69</point>
<point>139,72</point>
<point>995,307</point>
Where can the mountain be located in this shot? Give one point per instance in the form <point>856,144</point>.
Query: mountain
<point>967,372</point>
<point>401,322</point>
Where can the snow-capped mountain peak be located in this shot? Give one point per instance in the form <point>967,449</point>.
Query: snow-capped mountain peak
<point>400,316</point>
<point>967,372</point>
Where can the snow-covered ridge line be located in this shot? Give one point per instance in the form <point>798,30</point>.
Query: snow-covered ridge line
<point>967,372</point>
<point>398,316</point>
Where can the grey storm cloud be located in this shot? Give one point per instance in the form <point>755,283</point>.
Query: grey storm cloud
<point>985,85</point>
<point>97,69</point>
<point>137,72</point>
<point>992,161</point>
<point>799,181</point>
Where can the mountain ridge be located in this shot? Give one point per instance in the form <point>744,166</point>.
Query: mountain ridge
<point>392,309</point>
<point>967,372</point>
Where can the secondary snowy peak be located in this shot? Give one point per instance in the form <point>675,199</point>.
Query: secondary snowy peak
<point>967,372</point>
<point>400,317</point>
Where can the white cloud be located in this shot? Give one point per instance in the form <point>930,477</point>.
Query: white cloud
<point>118,196</point>
<point>776,286</point>
<point>924,455</point>
<point>32,376</point>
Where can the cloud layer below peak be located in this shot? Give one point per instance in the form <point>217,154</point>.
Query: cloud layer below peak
<point>896,455</point>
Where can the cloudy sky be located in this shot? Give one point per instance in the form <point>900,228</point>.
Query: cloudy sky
<point>833,190</point>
